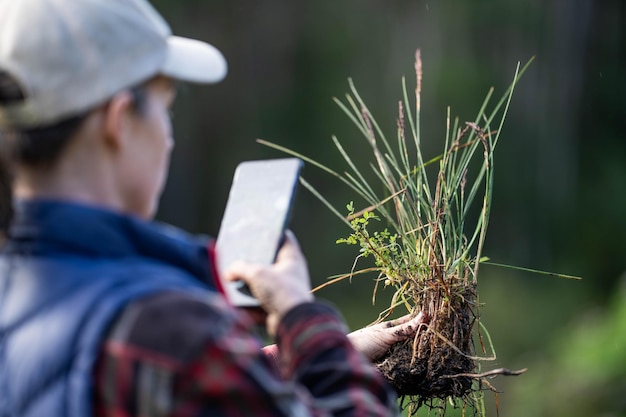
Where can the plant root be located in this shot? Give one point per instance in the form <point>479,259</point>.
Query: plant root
<point>439,361</point>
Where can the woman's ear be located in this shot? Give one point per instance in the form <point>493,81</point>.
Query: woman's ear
<point>116,119</point>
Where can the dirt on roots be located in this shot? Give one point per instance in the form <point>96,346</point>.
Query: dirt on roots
<point>431,365</point>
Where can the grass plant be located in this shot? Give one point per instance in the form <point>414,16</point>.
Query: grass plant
<point>432,216</point>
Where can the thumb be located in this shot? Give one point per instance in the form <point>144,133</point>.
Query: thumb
<point>401,331</point>
<point>290,248</point>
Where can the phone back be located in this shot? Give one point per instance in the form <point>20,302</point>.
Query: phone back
<point>257,212</point>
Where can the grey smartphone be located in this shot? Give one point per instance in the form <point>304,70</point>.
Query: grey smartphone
<point>257,212</point>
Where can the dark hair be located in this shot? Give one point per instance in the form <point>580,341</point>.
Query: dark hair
<point>10,90</point>
<point>139,94</point>
<point>42,146</point>
<point>6,196</point>
<point>38,147</point>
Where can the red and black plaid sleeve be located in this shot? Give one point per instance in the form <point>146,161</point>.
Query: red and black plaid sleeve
<point>173,355</point>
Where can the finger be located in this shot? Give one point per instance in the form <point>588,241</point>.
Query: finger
<point>241,271</point>
<point>410,327</point>
<point>398,321</point>
<point>290,248</point>
<point>421,318</point>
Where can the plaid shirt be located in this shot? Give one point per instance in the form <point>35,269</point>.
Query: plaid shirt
<point>172,355</point>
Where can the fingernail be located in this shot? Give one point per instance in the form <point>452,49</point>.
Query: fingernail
<point>422,317</point>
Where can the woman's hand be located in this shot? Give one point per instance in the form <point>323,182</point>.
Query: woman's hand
<point>375,341</point>
<point>278,287</point>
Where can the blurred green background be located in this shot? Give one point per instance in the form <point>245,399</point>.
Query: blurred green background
<point>559,201</point>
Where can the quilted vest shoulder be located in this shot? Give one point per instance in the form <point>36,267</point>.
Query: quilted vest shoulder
<point>54,313</point>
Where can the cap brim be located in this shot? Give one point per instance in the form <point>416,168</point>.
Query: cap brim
<point>194,61</point>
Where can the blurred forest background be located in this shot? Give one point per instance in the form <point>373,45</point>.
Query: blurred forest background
<point>560,167</point>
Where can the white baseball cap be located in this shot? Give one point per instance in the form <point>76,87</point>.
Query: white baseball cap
<point>69,56</point>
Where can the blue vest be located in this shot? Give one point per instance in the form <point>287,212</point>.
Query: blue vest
<point>65,273</point>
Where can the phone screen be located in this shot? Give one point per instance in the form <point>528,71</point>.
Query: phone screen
<point>256,215</point>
